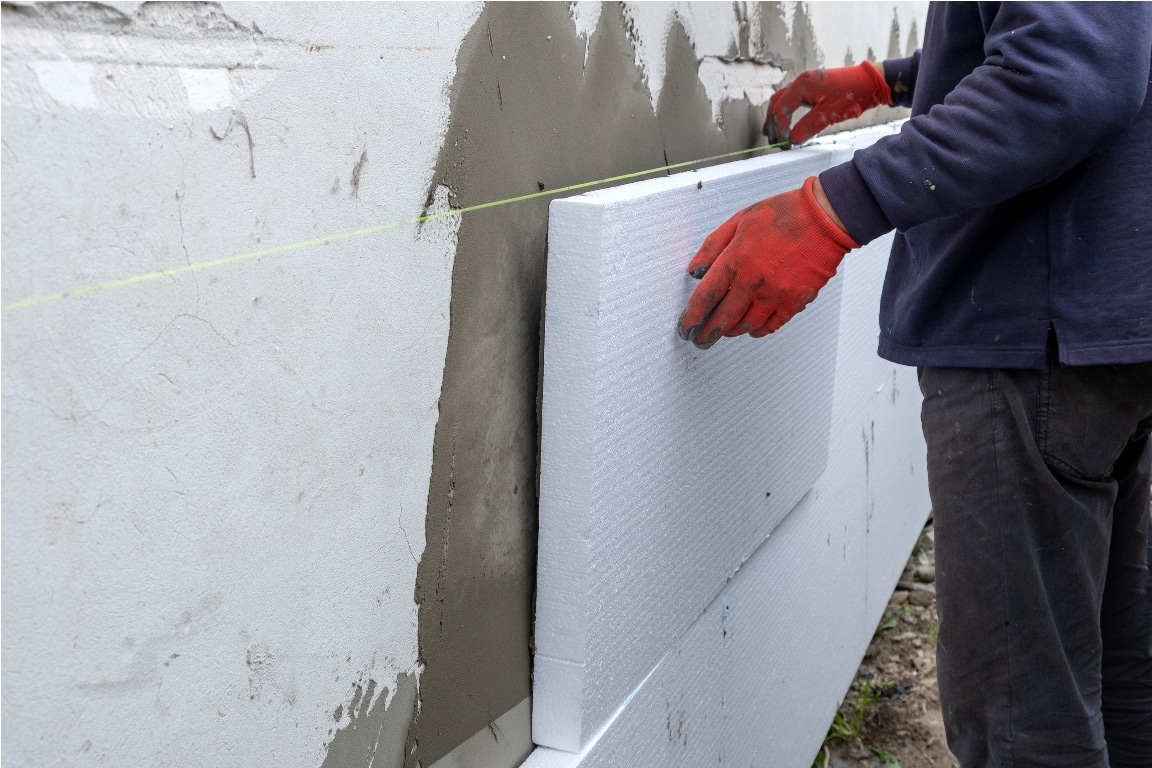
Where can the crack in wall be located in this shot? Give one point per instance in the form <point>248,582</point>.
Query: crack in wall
<point>237,118</point>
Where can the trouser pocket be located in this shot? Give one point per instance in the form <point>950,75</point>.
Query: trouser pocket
<point>1088,415</point>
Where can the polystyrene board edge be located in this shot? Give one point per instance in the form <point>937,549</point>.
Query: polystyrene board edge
<point>561,683</point>
<point>567,433</point>
<point>547,757</point>
<point>565,468</point>
<point>860,138</point>
<point>647,187</point>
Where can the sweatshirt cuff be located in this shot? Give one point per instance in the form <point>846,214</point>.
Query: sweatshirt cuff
<point>854,203</point>
<point>901,77</point>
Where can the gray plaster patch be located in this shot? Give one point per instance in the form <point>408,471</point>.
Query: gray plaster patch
<point>530,105</point>
<point>374,735</point>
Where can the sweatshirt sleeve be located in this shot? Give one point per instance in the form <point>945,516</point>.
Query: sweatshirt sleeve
<point>901,77</point>
<point>1058,81</point>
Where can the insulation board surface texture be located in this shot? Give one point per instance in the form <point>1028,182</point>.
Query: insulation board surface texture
<point>756,678</point>
<point>663,467</point>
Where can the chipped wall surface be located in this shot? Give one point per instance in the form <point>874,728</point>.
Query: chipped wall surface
<point>281,509</point>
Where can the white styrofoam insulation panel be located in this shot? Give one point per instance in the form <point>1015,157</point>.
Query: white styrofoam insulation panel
<point>756,677</point>
<point>663,467</point>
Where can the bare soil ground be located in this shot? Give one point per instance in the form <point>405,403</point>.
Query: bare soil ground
<point>891,714</point>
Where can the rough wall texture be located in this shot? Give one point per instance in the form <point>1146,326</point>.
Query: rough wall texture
<point>216,483</point>
<point>537,105</point>
<point>526,111</point>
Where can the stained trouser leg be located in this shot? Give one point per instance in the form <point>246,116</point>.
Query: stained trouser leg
<point>1019,466</point>
<point>1126,616</point>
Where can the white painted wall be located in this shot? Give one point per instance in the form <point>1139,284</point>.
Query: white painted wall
<point>214,483</point>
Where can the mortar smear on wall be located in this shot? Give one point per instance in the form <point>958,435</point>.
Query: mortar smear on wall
<point>509,137</point>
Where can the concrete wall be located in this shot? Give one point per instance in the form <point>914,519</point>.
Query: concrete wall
<point>282,509</point>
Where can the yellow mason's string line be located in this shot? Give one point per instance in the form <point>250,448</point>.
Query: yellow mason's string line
<point>31,301</point>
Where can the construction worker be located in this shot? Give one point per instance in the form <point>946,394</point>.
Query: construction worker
<point>1020,284</point>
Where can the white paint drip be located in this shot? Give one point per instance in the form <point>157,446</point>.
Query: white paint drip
<point>208,89</point>
<point>649,24</point>
<point>709,36</point>
<point>68,82</point>
<point>841,28</point>
<point>586,15</point>
<point>737,80</point>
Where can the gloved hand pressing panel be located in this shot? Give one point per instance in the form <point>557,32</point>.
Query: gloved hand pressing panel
<point>762,266</point>
<point>834,95</point>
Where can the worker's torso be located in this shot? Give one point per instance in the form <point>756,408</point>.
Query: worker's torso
<point>982,288</point>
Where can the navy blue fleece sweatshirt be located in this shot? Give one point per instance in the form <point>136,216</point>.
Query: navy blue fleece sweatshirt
<point>1021,188</point>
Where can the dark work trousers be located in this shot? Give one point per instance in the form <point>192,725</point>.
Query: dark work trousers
<point>1040,492</point>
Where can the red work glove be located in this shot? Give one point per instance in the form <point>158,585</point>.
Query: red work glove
<point>834,95</point>
<point>761,267</point>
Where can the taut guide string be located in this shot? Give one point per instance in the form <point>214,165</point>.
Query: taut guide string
<point>325,240</point>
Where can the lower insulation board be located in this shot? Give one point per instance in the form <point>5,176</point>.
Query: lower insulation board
<point>671,662</point>
<point>663,467</point>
